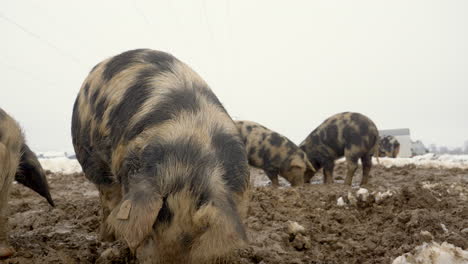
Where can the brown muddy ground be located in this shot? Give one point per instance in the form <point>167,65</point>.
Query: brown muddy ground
<point>433,200</point>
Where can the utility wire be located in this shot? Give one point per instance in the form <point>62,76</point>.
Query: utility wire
<point>36,36</point>
<point>205,14</point>
<point>30,75</point>
<point>140,12</point>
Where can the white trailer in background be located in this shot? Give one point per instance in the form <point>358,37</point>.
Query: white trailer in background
<point>403,136</point>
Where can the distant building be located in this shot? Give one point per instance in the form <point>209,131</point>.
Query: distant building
<point>403,136</point>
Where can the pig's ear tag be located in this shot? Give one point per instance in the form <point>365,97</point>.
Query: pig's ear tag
<point>124,210</point>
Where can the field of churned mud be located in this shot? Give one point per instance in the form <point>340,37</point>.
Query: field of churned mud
<point>403,208</point>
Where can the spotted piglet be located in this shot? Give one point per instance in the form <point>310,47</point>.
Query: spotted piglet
<point>389,147</point>
<point>274,153</point>
<point>351,135</point>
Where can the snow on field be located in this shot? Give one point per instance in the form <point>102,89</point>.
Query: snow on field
<point>427,160</point>
<point>65,163</point>
<point>56,161</point>
<point>54,154</point>
<point>61,164</point>
<point>434,253</point>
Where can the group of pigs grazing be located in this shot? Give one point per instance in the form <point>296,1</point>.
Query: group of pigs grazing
<point>170,164</point>
<point>351,135</point>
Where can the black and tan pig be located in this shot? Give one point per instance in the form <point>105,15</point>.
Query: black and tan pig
<point>166,157</point>
<point>17,162</point>
<point>389,147</point>
<point>273,153</point>
<point>351,135</point>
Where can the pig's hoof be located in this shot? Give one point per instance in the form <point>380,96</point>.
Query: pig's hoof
<point>6,251</point>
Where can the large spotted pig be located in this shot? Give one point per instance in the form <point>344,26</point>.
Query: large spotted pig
<point>167,159</point>
<point>17,162</point>
<point>273,153</point>
<point>389,147</point>
<point>352,135</point>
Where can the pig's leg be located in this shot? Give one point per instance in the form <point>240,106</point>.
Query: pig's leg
<point>6,177</point>
<point>110,196</point>
<point>308,174</point>
<point>273,176</point>
<point>352,167</point>
<point>328,172</point>
<point>366,167</point>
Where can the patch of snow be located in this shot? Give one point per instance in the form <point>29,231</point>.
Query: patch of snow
<point>340,202</point>
<point>434,253</point>
<point>428,185</point>
<point>295,228</point>
<point>382,196</point>
<point>61,164</point>
<point>429,160</point>
<point>444,228</point>
<point>362,194</point>
<point>51,154</point>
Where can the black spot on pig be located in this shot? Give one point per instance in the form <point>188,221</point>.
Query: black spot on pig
<point>276,159</point>
<point>230,150</point>
<point>165,215</point>
<point>94,97</point>
<point>252,151</point>
<point>186,240</point>
<point>276,140</point>
<point>99,109</point>
<point>86,90</point>
<point>176,101</point>
<point>352,138</point>
<point>135,96</point>
<point>161,60</point>
<point>120,63</point>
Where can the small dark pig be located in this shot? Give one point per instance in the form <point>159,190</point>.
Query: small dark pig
<point>17,162</point>
<point>351,135</point>
<point>166,157</point>
<point>389,147</point>
<point>273,153</point>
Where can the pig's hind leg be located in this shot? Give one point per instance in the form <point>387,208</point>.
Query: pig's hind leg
<point>273,176</point>
<point>366,167</point>
<point>352,164</point>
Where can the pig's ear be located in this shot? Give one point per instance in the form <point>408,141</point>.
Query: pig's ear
<point>310,166</point>
<point>133,218</point>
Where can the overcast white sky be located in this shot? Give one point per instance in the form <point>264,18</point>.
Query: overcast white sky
<point>286,64</point>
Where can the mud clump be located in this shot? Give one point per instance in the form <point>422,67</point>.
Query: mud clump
<point>285,225</point>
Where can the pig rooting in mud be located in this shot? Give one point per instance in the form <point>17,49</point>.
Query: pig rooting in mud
<point>167,159</point>
<point>274,153</point>
<point>17,162</point>
<point>389,147</point>
<point>351,135</point>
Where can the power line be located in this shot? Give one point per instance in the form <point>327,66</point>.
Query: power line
<point>31,76</point>
<point>36,36</point>
<point>205,13</point>
<point>139,12</point>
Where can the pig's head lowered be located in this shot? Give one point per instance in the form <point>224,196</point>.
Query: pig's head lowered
<point>179,206</point>
<point>31,174</point>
